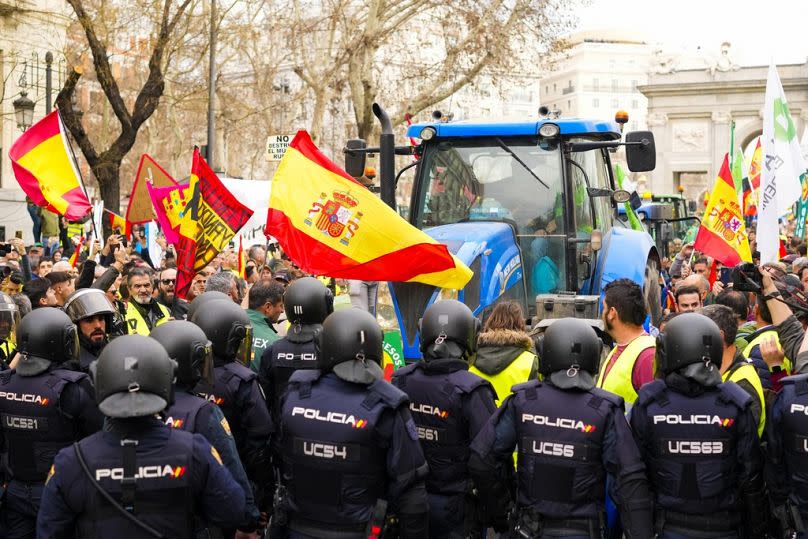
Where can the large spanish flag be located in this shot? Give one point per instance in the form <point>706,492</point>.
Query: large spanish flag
<point>45,170</point>
<point>722,234</point>
<point>330,224</point>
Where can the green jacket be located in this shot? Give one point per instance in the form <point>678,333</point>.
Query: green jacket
<point>263,335</point>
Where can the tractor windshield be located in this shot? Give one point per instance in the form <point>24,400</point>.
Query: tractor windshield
<point>512,180</point>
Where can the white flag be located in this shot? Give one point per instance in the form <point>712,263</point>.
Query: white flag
<point>782,166</point>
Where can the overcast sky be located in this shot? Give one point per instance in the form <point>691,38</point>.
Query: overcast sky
<point>759,30</point>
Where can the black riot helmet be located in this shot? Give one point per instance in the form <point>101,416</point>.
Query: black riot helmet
<point>9,319</point>
<point>133,377</point>
<point>307,301</point>
<point>186,344</point>
<point>350,334</point>
<point>688,339</point>
<point>45,336</point>
<point>229,329</point>
<point>88,302</point>
<point>202,299</point>
<point>448,320</point>
<point>569,354</point>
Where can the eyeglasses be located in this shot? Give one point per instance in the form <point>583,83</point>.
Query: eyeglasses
<point>167,282</point>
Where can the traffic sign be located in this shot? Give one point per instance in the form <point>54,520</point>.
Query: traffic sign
<point>276,146</point>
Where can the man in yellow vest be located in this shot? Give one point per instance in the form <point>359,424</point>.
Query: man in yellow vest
<point>734,367</point>
<point>143,312</point>
<point>630,364</point>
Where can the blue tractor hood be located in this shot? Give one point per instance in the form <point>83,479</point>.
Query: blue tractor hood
<point>488,248</point>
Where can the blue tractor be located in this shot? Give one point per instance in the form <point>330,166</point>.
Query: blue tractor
<point>530,206</point>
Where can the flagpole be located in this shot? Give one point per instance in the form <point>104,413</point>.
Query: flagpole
<point>77,168</point>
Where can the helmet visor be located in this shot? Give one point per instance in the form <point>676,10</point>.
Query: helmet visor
<point>86,303</point>
<point>9,320</point>
<point>244,352</point>
<point>71,335</point>
<point>205,365</point>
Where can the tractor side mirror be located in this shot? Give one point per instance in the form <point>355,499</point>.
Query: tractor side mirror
<point>355,160</point>
<point>691,206</point>
<point>635,201</point>
<point>640,151</point>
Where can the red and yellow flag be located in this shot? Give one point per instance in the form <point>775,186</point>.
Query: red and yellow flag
<point>74,258</point>
<point>211,218</point>
<point>169,204</point>
<point>46,171</point>
<point>329,224</point>
<point>750,198</point>
<point>722,234</point>
<point>242,259</point>
<point>116,222</point>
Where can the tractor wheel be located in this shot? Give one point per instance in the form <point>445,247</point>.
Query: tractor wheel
<point>652,291</point>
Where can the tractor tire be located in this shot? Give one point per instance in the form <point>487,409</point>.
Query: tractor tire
<point>652,291</point>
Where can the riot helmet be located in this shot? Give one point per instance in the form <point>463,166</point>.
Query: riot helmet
<point>202,299</point>
<point>449,321</point>
<point>133,377</point>
<point>187,344</point>
<point>45,336</point>
<point>307,301</point>
<point>9,319</point>
<point>229,329</point>
<point>690,338</point>
<point>86,303</point>
<point>350,334</point>
<point>569,354</point>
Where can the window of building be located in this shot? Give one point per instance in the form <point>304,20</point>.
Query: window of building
<point>569,105</point>
<point>634,85</point>
<point>614,85</point>
<point>595,84</point>
<point>546,89</point>
<point>596,102</point>
<point>554,88</point>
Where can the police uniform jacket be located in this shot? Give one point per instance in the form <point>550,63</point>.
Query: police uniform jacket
<point>787,432</point>
<point>179,474</point>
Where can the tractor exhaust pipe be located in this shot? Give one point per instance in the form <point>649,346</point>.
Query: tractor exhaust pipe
<point>387,164</point>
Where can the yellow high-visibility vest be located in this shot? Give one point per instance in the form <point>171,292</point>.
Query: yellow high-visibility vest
<point>747,371</point>
<point>136,325</point>
<point>759,339</point>
<point>516,373</point>
<point>618,381</point>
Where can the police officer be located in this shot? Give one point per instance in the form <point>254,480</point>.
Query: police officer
<point>9,320</point>
<point>138,478</point>
<point>570,435</point>
<point>787,466</point>
<point>187,344</point>
<point>307,302</point>
<point>44,408</point>
<point>93,314</point>
<point>699,440</point>
<point>350,447</point>
<point>202,299</point>
<point>450,406</point>
<point>235,389</point>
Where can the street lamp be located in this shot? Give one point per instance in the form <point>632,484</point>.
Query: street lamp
<point>23,111</point>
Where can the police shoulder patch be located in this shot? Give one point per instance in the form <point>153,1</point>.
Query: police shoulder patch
<point>226,426</point>
<point>216,455</point>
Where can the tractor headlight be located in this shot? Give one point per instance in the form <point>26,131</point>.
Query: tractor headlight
<point>427,133</point>
<point>549,130</point>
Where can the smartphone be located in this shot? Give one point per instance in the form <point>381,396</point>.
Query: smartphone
<point>18,234</point>
<point>724,275</point>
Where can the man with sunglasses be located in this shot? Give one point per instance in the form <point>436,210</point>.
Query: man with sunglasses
<point>166,295</point>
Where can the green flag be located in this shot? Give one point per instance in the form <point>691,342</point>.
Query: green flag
<point>802,209</point>
<point>633,221</point>
<point>736,164</point>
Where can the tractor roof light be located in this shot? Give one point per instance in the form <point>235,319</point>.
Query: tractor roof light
<point>427,133</point>
<point>549,130</point>
<point>621,117</point>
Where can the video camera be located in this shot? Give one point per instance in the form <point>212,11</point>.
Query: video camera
<point>746,277</point>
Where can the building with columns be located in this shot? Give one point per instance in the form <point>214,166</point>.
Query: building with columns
<point>29,29</point>
<point>690,112</point>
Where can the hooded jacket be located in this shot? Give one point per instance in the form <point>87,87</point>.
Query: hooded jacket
<point>505,358</point>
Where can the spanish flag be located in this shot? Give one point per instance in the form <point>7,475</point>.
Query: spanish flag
<point>45,170</point>
<point>74,258</point>
<point>116,222</point>
<point>722,234</point>
<point>329,224</point>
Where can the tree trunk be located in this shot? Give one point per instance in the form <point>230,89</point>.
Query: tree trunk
<point>107,173</point>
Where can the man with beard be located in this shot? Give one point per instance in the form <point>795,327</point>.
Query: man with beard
<point>143,312</point>
<point>166,281</point>
<point>92,312</point>
<point>630,364</point>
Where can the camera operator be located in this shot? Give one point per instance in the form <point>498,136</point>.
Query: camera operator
<point>789,330</point>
